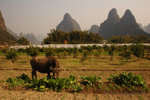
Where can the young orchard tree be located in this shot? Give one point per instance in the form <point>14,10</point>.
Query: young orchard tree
<point>111,50</point>
<point>138,50</point>
<point>75,52</point>
<point>85,56</point>
<point>31,51</point>
<point>106,48</point>
<point>64,54</point>
<point>12,55</point>
<point>50,52</point>
<point>147,50</point>
<point>98,52</point>
<point>125,53</point>
<point>69,51</point>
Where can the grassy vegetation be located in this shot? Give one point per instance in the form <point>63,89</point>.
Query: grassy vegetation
<point>102,62</point>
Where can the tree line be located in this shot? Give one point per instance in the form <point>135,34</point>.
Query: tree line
<point>72,37</point>
<point>129,39</point>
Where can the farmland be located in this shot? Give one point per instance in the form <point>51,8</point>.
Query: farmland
<point>102,62</point>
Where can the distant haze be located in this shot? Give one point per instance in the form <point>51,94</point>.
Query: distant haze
<point>39,16</point>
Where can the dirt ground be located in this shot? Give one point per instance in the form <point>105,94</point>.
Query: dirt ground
<point>50,95</point>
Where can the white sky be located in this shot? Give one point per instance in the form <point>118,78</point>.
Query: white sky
<point>39,16</point>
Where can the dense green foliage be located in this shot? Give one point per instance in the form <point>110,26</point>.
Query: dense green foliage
<point>125,52</point>
<point>50,52</point>
<point>71,83</point>
<point>5,50</point>
<point>75,52</point>
<point>31,51</point>
<point>129,80</point>
<point>12,55</point>
<point>85,56</point>
<point>73,37</point>
<point>111,50</point>
<point>129,39</point>
<point>138,50</point>
<point>98,52</point>
<point>23,41</point>
<point>90,79</point>
<point>21,50</point>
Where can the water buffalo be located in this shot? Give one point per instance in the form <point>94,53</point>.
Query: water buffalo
<point>45,65</point>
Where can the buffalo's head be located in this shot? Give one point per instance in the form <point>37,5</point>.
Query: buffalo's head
<point>55,72</point>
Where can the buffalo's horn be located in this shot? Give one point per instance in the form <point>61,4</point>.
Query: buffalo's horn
<point>60,68</point>
<point>51,67</point>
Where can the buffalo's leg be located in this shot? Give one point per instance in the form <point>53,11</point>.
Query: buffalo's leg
<point>34,74</point>
<point>48,74</point>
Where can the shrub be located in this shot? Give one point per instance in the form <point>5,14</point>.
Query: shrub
<point>64,54</point>
<point>75,52</point>
<point>98,52</point>
<point>5,50</point>
<point>21,50</point>
<point>31,51</point>
<point>89,48</point>
<point>138,50</point>
<point>70,51</point>
<point>85,56</point>
<point>129,80</point>
<point>111,50</point>
<point>125,54</point>
<point>50,52</point>
<point>42,49</point>
<point>12,55</point>
<point>106,48</point>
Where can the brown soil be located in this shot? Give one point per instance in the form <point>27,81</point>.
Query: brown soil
<point>92,89</point>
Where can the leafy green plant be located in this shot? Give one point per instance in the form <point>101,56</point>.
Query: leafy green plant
<point>99,85</point>
<point>90,79</point>
<point>107,89</point>
<point>129,80</point>
<point>88,86</point>
<point>21,80</point>
<point>12,55</point>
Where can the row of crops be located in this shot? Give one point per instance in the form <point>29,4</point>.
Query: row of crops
<point>124,52</point>
<point>123,82</point>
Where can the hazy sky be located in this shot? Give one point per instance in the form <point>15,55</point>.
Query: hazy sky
<point>39,16</point>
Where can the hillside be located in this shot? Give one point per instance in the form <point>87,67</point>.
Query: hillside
<point>6,37</point>
<point>127,25</point>
<point>2,22</point>
<point>68,24</point>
